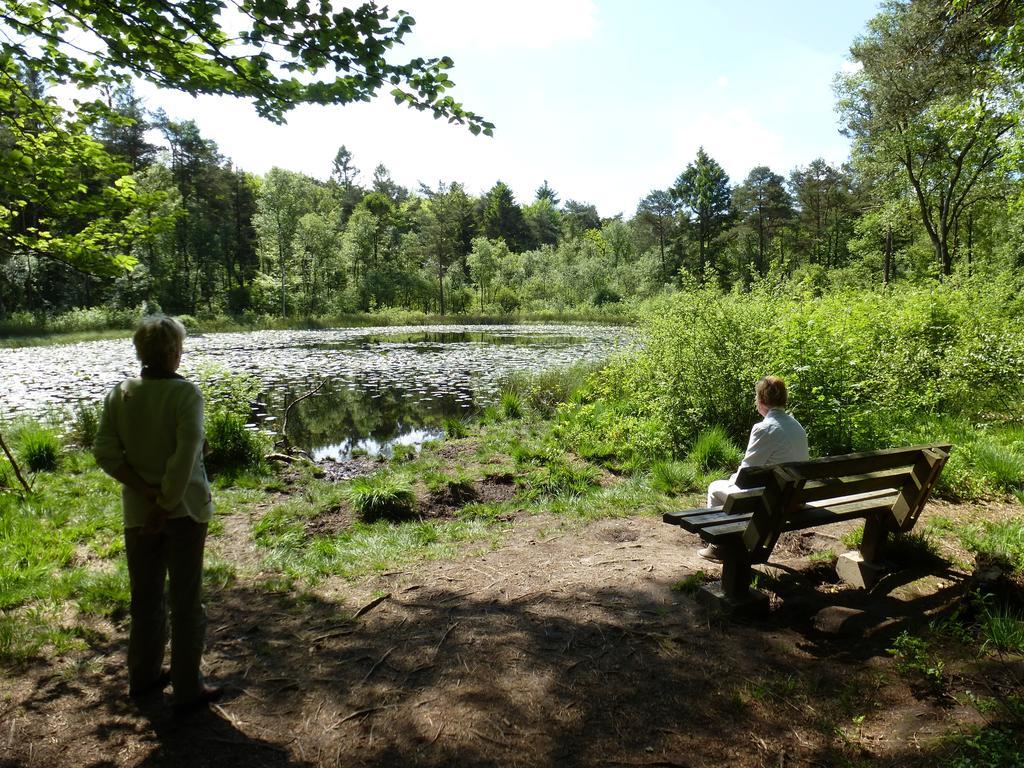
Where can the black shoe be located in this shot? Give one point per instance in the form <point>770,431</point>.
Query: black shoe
<point>162,681</point>
<point>208,694</point>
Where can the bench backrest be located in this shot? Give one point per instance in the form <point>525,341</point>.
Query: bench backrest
<point>895,480</point>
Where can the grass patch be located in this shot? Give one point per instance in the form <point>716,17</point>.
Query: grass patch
<point>511,405</point>
<point>689,585</point>
<point>384,495</point>
<point>713,451</point>
<point>674,477</point>
<point>368,547</point>
<point>37,446</point>
<point>988,747</point>
<point>997,542</point>
<point>1002,629</point>
<point>455,428</point>
<point>85,423</point>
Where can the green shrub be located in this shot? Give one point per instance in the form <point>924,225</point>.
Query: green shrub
<point>38,447</point>
<point>455,428</point>
<point>914,655</point>
<point>85,423</point>
<point>228,391</point>
<point>233,446</point>
<point>511,405</point>
<point>865,369</point>
<point>712,450</point>
<point>989,747</point>
<point>385,495</point>
<point>561,478</point>
<point>507,300</point>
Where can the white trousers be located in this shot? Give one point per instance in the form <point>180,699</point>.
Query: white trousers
<point>718,491</point>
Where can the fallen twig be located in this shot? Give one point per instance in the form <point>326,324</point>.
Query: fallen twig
<point>439,729</point>
<point>333,633</point>
<point>371,605</point>
<point>14,466</point>
<point>379,662</point>
<point>445,636</point>
<point>491,739</point>
<point>363,712</point>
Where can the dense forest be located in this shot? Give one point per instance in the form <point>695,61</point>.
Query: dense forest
<point>114,207</point>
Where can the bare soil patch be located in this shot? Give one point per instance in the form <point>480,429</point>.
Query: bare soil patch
<point>570,644</point>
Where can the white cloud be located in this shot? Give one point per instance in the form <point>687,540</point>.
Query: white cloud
<point>722,82</point>
<point>850,67</point>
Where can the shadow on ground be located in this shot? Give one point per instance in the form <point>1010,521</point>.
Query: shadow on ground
<point>588,676</point>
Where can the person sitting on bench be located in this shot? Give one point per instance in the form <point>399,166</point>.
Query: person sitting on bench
<point>776,439</point>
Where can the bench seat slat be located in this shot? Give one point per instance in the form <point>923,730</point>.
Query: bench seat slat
<point>717,525</point>
<point>676,518</point>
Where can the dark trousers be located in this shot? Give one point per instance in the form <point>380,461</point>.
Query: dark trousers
<point>175,552</point>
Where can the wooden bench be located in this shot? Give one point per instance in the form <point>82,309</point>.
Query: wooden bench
<point>887,489</point>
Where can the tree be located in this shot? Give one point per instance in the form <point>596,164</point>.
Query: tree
<point>123,127</point>
<point>544,221</point>
<point>383,183</point>
<point>929,101</point>
<point>577,218</point>
<point>62,195</point>
<point>284,198</point>
<point>284,54</point>
<point>503,218</point>
<point>658,210</point>
<point>485,261</point>
<point>703,189</point>
<point>445,233</point>
<point>343,170</point>
<point>826,212</point>
<point>763,206</point>
<point>544,192</point>
<point>277,54</point>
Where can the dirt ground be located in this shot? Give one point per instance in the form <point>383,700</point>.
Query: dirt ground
<point>566,645</point>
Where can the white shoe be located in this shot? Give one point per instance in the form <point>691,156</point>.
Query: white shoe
<point>710,552</point>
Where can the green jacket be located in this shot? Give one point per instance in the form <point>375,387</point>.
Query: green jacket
<point>155,426</point>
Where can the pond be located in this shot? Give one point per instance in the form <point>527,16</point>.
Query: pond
<point>381,387</point>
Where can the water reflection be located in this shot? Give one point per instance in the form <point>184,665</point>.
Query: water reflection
<point>344,417</point>
<point>383,386</point>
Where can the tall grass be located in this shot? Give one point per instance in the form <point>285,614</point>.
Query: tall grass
<point>37,446</point>
<point>384,495</point>
<point>713,450</point>
<point>999,542</point>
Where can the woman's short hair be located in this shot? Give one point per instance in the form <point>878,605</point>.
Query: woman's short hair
<point>157,339</point>
<point>771,391</point>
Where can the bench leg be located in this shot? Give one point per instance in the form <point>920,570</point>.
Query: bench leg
<point>736,572</point>
<point>873,542</point>
<point>863,569</point>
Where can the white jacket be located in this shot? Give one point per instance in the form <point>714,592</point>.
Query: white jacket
<point>155,426</point>
<point>776,439</point>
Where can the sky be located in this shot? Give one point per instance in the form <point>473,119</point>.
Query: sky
<point>606,100</point>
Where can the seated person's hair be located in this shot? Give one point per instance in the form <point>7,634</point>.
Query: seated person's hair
<point>771,390</point>
<point>157,339</point>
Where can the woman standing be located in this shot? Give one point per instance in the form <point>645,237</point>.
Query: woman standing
<point>150,440</point>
